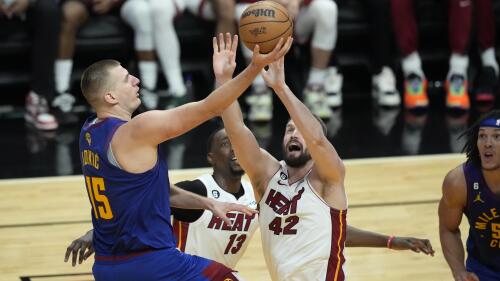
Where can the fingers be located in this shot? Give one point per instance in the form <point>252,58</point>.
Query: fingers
<point>256,49</point>
<point>81,253</point>
<point>249,211</point>
<point>277,48</point>
<point>69,250</point>
<point>75,254</point>
<point>228,41</point>
<point>214,45</point>
<point>286,47</point>
<point>221,42</point>
<point>428,247</point>
<point>226,220</point>
<point>234,45</point>
<point>88,253</point>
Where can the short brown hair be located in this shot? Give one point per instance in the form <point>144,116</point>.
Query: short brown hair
<point>95,78</point>
<point>321,122</point>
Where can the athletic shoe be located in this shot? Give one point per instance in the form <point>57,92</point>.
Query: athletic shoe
<point>415,95</point>
<point>457,96</point>
<point>37,113</point>
<point>384,90</point>
<point>333,87</point>
<point>260,102</point>
<point>485,90</point>
<point>315,100</point>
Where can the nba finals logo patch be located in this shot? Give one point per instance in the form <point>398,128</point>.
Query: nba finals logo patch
<point>283,176</point>
<point>215,194</point>
<point>87,137</point>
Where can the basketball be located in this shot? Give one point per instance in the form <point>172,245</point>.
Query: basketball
<point>264,23</point>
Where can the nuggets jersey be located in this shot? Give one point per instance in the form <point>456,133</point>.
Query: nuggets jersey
<point>209,236</point>
<point>130,212</point>
<point>483,214</point>
<point>302,237</point>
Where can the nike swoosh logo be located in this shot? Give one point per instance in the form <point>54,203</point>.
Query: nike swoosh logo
<point>280,183</point>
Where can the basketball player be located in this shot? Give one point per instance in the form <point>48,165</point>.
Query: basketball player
<point>124,170</point>
<point>200,233</point>
<point>473,189</point>
<point>302,199</point>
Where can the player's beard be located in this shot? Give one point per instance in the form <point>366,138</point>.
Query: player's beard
<point>296,162</point>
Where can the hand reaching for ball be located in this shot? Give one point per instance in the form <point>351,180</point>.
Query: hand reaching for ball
<point>261,60</point>
<point>224,58</point>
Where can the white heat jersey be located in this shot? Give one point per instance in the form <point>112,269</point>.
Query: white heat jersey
<point>209,236</point>
<point>302,237</point>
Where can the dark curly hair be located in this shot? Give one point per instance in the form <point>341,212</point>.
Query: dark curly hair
<point>471,134</point>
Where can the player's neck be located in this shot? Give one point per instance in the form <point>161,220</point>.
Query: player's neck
<point>297,173</point>
<point>113,112</point>
<point>230,183</point>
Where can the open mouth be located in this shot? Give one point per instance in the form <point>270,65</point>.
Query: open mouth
<point>293,146</point>
<point>488,155</point>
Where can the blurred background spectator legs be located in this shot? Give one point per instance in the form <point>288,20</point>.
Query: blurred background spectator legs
<point>43,18</point>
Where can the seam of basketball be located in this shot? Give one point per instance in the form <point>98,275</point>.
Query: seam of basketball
<point>290,26</point>
<point>262,22</point>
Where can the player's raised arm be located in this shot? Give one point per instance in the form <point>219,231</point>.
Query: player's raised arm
<point>160,126</point>
<point>328,164</point>
<point>244,144</point>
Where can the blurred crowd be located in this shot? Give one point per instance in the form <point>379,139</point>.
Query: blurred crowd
<point>55,24</point>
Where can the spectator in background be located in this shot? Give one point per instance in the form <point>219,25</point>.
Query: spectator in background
<point>312,18</point>
<point>75,13</point>
<point>43,16</point>
<point>153,24</point>
<point>485,17</point>
<point>460,15</point>
<point>379,27</point>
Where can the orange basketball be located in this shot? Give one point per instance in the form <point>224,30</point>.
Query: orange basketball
<point>264,23</point>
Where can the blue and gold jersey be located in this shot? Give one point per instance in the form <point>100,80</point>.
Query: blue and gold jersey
<point>483,213</point>
<point>130,212</point>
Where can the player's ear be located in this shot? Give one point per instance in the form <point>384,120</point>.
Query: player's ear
<point>110,97</point>
<point>210,158</point>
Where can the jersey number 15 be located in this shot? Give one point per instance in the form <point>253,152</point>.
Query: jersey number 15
<point>99,201</point>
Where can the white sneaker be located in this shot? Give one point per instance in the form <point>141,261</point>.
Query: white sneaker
<point>333,87</point>
<point>315,100</point>
<point>260,106</point>
<point>384,88</point>
<point>149,99</point>
<point>37,113</point>
<point>64,102</point>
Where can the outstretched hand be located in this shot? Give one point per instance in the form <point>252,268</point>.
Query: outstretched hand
<point>275,74</point>
<point>414,244</point>
<point>81,248</point>
<point>224,58</point>
<point>261,60</point>
<point>220,209</point>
